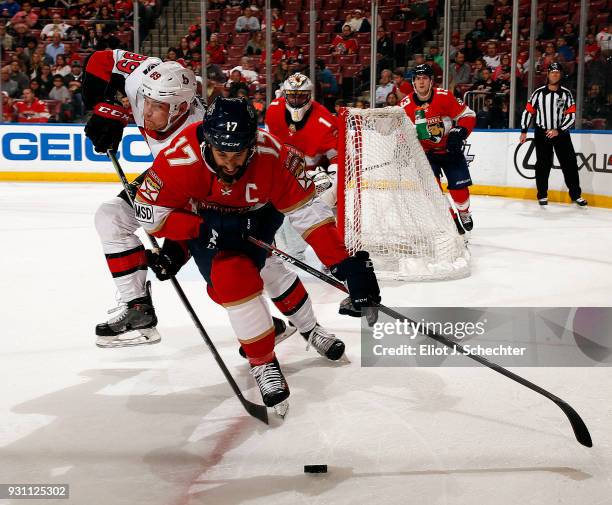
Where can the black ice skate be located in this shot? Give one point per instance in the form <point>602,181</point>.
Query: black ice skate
<point>273,386</point>
<point>581,202</point>
<point>325,343</point>
<point>134,325</point>
<point>347,309</point>
<point>466,220</point>
<point>457,221</point>
<point>543,201</point>
<point>281,332</point>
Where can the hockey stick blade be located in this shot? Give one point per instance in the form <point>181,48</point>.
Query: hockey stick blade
<point>581,431</point>
<point>255,410</point>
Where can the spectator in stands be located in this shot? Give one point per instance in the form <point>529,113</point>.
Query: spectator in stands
<point>215,51</point>
<point>384,48</point>
<point>108,40</point>
<point>195,33</point>
<point>591,48</point>
<point>329,85</point>
<point>18,75</point>
<point>460,71</point>
<point>75,30</point>
<point>247,22</point>
<point>25,15</point>
<point>184,51</point>
<point>61,66</point>
<point>60,93</point>
<point>235,83</point>
<point>437,69</point>
<point>38,90</point>
<point>293,53</point>
<point>338,104</point>
<point>280,75</point>
<point>503,68</point>
<point>76,73</point>
<point>8,84</point>
<point>196,61</point>
<point>11,7</point>
<point>35,64</point>
<point>544,28</point>
<point>491,58</point>
<point>497,27</point>
<point>259,104</point>
<point>278,23</point>
<point>455,45</point>
<point>594,105</point>
<point>361,104</point>
<point>346,42</point>
<point>358,23</point>
<point>171,54</point>
<point>214,73</point>
<point>392,100</point>
<point>54,48</point>
<point>7,43</point>
<point>30,109</point>
<point>385,86</point>
<point>479,32</point>
<point>506,32</point>
<point>55,27</point>
<point>434,54</point>
<point>247,71</point>
<point>564,51</point>
<point>89,41</point>
<point>569,35</point>
<point>7,107</point>
<point>256,44</point>
<point>401,87</point>
<point>485,84</point>
<point>278,52</point>
<point>45,78</point>
<point>604,39</point>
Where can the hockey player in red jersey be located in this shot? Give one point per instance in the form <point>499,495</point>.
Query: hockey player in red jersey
<point>223,180</point>
<point>162,96</point>
<point>297,120</point>
<point>448,124</point>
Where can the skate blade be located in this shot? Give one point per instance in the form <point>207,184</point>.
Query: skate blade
<point>281,408</point>
<point>290,330</point>
<point>145,336</point>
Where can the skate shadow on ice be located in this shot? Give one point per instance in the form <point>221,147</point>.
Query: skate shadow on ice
<point>108,446</point>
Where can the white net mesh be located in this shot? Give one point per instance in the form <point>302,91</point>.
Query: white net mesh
<point>393,207</point>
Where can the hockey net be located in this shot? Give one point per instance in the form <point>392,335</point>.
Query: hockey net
<point>389,202</point>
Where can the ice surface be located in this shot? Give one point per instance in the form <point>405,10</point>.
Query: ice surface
<point>159,426</point>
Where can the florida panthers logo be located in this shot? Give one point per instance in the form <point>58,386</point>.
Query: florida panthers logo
<point>438,127</point>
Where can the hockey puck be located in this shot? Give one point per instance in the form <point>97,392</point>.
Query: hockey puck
<point>315,468</point>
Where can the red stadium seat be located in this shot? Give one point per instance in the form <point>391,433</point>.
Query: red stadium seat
<point>401,37</point>
<point>329,26</point>
<point>351,70</point>
<point>364,60</point>
<point>235,51</point>
<point>241,39</point>
<point>558,19</point>
<point>386,12</point>
<point>416,26</point>
<point>333,4</point>
<point>328,15</point>
<point>293,5</point>
<point>213,15</point>
<point>302,38</point>
<point>323,49</point>
<point>323,38</point>
<point>350,5</point>
<point>346,59</point>
<point>292,27</point>
<point>365,49</point>
<point>334,68</point>
<point>57,10</point>
<point>558,8</point>
<point>227,27</point>
<point>394,26</point>
<point>363,38</point>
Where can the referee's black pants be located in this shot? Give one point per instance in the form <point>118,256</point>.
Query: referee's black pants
<point>562,145</point>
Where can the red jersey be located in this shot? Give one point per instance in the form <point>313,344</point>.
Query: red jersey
<point>36,112</point>
<point>405,88</point>
<point>442,111</point>
<point>180,182</point>
<point>344,46</point>
<point>317,137</point>
<point>216,54</point>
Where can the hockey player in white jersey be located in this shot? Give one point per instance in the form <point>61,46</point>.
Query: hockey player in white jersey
<point>163,100</point>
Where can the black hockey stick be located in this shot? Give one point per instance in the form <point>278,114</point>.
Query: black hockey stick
<point>258,411</point>
<point>580,430</point>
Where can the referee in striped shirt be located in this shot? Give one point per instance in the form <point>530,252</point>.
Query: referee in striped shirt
<point>555,113</point>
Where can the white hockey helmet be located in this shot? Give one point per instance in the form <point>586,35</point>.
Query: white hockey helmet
<point>171,83</point>
<point>297,90</point>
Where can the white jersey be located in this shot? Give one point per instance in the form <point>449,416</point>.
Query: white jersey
<point>133,67</point>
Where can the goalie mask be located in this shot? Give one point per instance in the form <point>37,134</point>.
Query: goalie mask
<point>230,125</point>
<point>297,90</point>
<point>171,83</point>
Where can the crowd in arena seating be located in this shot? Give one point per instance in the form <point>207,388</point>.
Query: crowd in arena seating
<point>44,44</point>
<point>52,38</point>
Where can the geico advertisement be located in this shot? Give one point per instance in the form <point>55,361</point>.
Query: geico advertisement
<point>498,159</point>
<point>65,148</point>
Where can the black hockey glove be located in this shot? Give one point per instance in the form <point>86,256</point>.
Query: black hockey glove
<point>105,126</point>
<point>167,261</point>
<point>358,272</point>
<point>456,136</point>
<point>226,230</point>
